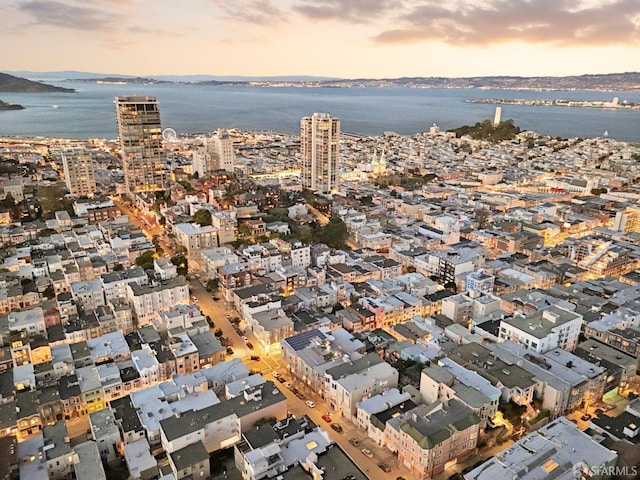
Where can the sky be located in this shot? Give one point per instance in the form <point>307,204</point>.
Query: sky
<point>334,38</point>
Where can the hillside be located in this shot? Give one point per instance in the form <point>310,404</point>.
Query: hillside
<point>11,84</point>
<point>487,131</point>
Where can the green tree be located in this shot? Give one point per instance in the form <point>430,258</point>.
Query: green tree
<point>52,199</point>
<point>45,232</point>
<point>213,285</point>
<point>334,233</point>
<point>145,260</point>
<point>182,263</point>
<point>202,217</point>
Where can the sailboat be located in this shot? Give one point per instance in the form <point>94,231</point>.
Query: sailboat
<point>606,133</point>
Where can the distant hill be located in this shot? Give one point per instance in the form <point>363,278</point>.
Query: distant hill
<point>11,84</point>
<point>624,82</point>
<point>9,106</point>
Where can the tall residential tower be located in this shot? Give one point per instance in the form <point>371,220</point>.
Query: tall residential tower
<point>78,172</point>
<point>320,152</point>
<point>140,134</point>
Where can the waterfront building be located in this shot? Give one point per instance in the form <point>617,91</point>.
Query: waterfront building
<point>78,172</point>
<point>140,134</point>
<point>320,152</point>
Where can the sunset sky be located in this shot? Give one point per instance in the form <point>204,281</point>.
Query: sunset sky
<point>339,38</point>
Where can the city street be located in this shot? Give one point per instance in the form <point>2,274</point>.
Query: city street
<point>369,466</point>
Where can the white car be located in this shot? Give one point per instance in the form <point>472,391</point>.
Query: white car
<point>310,404</point>
<point>244,339</point>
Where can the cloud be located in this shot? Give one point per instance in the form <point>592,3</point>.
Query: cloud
<point>555,22</point>
<point>72,17</point>
<point>259,12</point>
<point>358,11</point>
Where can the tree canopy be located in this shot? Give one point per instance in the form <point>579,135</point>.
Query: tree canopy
<point>145,260</point>
<point>202,217</point>
<point>487,131</point>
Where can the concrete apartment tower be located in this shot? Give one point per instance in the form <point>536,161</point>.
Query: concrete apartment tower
<point>140,134</point>
<point>216,154</point>
<point>320,152</point>
<point>78,172</point>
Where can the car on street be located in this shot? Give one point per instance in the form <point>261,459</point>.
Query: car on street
<point>250,345</point>
<point>310,404</point>
<point>586,417</point>
<point>354,441</point>
<point>255,358</point>
<point>327,418</point>
<point>294,390</point>
<point>300,395</point>
<point>275,374</point>
<point>336,427</point>
<point>384,467</point>
<point>281,379</point>
<point>288,385</point>
<point>229,351</point>
<point>244,339</point>
<point>367,453</point>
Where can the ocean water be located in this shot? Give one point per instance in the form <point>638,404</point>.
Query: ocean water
<point>90,113</point>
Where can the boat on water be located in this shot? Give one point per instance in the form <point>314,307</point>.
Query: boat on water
<point>54,106</point>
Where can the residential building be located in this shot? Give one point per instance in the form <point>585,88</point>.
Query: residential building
<point>426,438</point>
<point>78,172</point>
<point>557,450</point>
<point>140,135</point>
<point>320,152</point>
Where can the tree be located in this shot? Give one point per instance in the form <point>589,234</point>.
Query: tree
<point>202,217</point>
<point>10,203</point>
<point>218,333</point>
<point>53,199</point>
<point>45,232</point>
<point>213,285</point>
<point>334,233</point>
<point>145,260</point>
<point>182,263</point>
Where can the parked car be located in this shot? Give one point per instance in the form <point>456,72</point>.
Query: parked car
<point>300,395</point>
<point>275,374</point>
<point>255,358</point>
<point>244,339</point>
<point>384,467</point>
<point>229,351</point>
<point>281,379</point>
<point>250,345</point>
<point>586,417</point>
<point>367,453</point>
<point>326,417</point>
<point>336,427</point>
<point>310,404</point>
<point>288,385</point>
<point>354,441</point>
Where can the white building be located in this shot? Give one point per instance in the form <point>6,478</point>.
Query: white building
<point>557,450</point>
<point>148,300</point>
<point>320,152</point>
<point>542,331</point>
<point>78,172</point>
<point>195,237</point>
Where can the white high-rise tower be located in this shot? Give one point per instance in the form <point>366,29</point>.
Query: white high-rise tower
<point>320,152</point>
